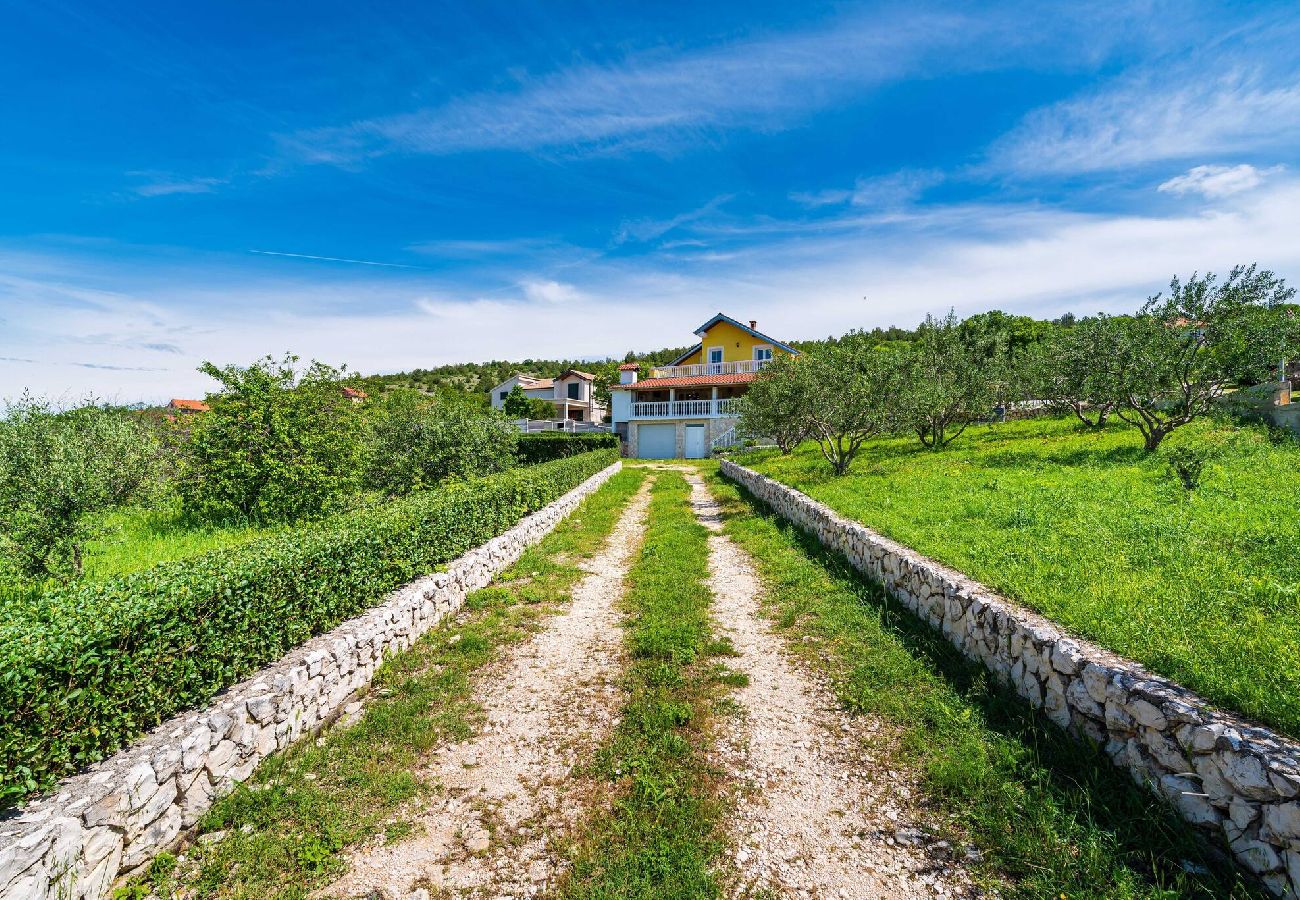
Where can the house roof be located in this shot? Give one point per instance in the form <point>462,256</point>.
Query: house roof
<point>531,384</point>
<point>629,367</point>
<point>720,317</point>
<point>196,405</point>
<point>354,393</point>
<point>654,384</point>
<point>586,376</point>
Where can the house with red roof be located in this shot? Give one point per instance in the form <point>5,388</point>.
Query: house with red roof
<point>686,408</point>
<point>572,394</point>
<point>187,406</point>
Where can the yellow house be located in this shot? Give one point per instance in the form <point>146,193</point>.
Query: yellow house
<point>688,407</point>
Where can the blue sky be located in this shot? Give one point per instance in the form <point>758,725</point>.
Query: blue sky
<point>401,185</point>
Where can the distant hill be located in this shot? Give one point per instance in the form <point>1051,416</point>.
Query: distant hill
<point>478,379</point>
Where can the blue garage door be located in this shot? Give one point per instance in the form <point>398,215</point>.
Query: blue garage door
<point>656,441</point>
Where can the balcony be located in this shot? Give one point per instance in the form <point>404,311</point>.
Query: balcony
<point>684,409</point>
<point>739,367</point>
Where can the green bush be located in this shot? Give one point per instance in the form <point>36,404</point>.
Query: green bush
<point>549,445</point>
<point>58,469</point>
<point>419,442</point>
<point>278,445</point>
<point>83,670</point>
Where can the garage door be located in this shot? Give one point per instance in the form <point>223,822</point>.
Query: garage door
<point>656,441</point>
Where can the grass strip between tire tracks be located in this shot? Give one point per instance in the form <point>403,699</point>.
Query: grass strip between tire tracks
<point>285,832</point>
<point>1051,817</point>
<point>661,838</point>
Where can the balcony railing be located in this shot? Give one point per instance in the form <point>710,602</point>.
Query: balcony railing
<point>684,409</point>
<point>738,367</point>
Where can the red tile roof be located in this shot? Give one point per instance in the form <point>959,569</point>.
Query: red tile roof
<point>354,394</point>
<point>195,405</point>
<point>629,367</point>
<point>654,384</point>
<point>585,375</point>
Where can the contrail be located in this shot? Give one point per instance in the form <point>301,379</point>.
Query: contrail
<point>359,262</point>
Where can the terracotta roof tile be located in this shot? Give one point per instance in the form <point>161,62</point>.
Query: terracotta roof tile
<point>629,367</point>
<point>654,384</point>
<point>196,405</point>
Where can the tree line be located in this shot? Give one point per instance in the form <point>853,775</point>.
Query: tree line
<point>1158,369</point>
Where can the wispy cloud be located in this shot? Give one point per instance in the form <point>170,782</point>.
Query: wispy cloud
<point>165,186</point>
<point>1214,182</point>
<point>656,100</point>
<point>1179,111</point>
<point>880,192</point>
<point>649,229</point>
<point>338,259</point>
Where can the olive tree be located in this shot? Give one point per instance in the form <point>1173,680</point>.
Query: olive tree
<point>58,469</point>
<point>851,390</point>
<point>777,403</point>
<point>418,442</point>
<point>1184,350</point>
<point>948,381</point>
<point>278,444</point>
<point>1071,369</point>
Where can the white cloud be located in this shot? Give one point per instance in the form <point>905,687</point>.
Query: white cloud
<point>549,292</point>
<point>1215,182</point>
<point>890,191</point>
<point>659,99</point>
<point>1198,108</point>
<point>166,186</point>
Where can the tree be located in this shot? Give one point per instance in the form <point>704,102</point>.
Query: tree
<point>58,469</point>
<point>277,444</point>
<point>849,389</point>
<point>1184,351</point>
<point>949,380</point>
<point>777,403</point>
<point>1071,369</point>
<point>419,443</point>
<point>517,405</point>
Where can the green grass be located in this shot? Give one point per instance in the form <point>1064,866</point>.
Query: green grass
<point>1202,587</point>
<point>1052,818</point>
<point>287,829</point>
<point>661,839</point>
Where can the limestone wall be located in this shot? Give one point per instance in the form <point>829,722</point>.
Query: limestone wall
<point>1222,773</point>
<point>120,813</point>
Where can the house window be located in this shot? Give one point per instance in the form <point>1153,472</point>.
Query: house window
<point>574,389</point>
<point>715,360</point>
<point>505,394</point>
<point>762,354</point>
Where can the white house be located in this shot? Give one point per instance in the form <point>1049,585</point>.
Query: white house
<point>572,393</point>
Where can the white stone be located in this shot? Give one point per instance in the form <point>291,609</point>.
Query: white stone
<point>1283,820</point>
<point>1246,774</point>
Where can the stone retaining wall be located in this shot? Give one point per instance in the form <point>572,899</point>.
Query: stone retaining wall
<point>115,817</point>
<point>1222,773</point>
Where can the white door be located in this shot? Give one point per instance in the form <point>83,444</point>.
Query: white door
<point>656,441</point>
<point>695,448</point>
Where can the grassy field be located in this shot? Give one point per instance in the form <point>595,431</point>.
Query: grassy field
<point>1049,816</point>
<point>1201,586</point>
<point>284,833</point>
<point>136,538</point>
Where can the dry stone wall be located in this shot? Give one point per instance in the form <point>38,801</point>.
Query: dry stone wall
<point>114,818</point>
<point>1222,773</point>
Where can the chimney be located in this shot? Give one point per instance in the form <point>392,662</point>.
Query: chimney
<point>627,373</point>
<point>753,324</point>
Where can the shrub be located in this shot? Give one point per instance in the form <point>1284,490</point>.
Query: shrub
<point>84,670</point>
<point>419,442</point>
<point>57,469</point>
<point>546,446</point>
<point>276,445</point>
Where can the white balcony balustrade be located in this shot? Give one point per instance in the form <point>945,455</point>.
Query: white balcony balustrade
<point>684,409</point>
<point>738,367</point>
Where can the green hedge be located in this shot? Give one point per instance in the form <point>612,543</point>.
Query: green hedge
<point>548,445</point>
<point>90,667</point>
